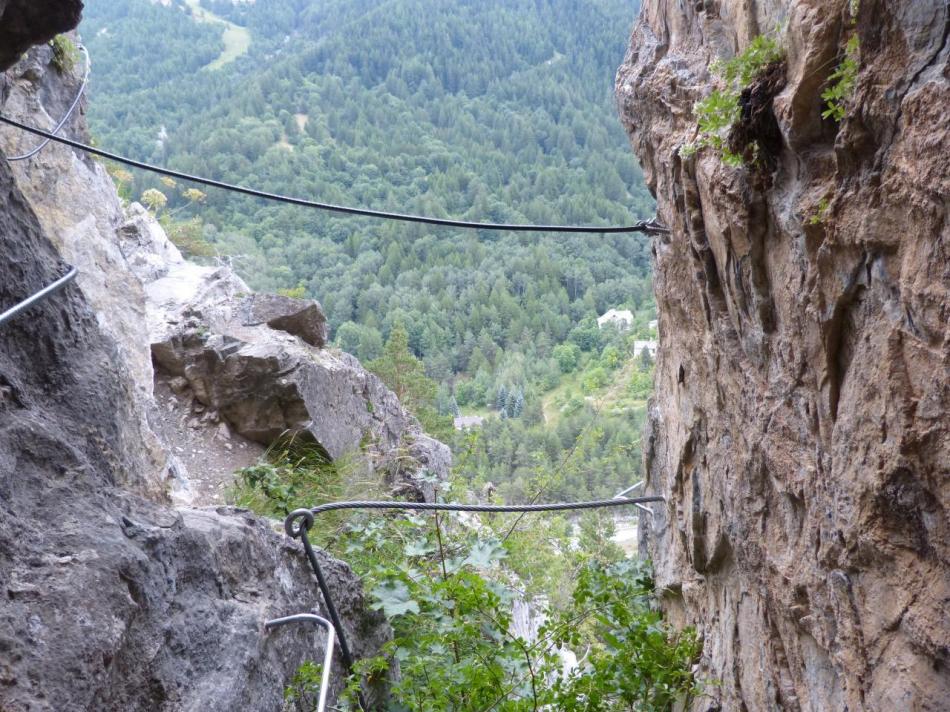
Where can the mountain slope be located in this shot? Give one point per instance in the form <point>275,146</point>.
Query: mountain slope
<point>497,111</point>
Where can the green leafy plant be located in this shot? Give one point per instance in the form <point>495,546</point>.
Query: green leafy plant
<point>294,472</point>
<point>304,688</point>
<point>445,585</point>
<point>447,593</point>
<point>822,208</point>
<point>637,662</point>
<point>842,82</point>
<point>717,113</point>
<point>65,54</point>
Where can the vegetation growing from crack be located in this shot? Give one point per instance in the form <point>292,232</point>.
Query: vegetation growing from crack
<point>65,54</point>
<point>295,472</point>
<point>304,688</point>
<point>820,211</point>
<point>717,114</point>
<point>842,82</point>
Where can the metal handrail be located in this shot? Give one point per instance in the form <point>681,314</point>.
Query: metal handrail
<point>39,296</point>
<point>327,656</point>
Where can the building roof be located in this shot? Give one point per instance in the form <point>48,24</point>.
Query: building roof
<point>468,421</point>
<point>619,316</point>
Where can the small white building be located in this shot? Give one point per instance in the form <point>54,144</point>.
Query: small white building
<point>464,422</point>
<point>650,346</point>
<point>621,319</point>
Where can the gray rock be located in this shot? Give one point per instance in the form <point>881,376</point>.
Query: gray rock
<point>801,425</point>
<point>109,601</point>
<point>146,247</point>
<point>300,317</point>
<point>76,204</point>
<point>108,598</point>
<point>208,328</point>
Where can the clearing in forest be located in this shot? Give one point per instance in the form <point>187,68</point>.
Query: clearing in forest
<point>237,39</point>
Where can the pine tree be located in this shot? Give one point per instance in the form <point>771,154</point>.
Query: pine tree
<point>519,405</point>
<point>511,403</point>
<point>406,377</point>
<point>501,401</point>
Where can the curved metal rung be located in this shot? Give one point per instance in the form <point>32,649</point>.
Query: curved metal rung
<point>39,296</point>
<point>66,117</point>
<point>327,656</point>
<point>624,493</point>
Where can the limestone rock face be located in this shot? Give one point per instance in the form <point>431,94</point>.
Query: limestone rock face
<point>801,425</point>
<point>109,601</point>
<point>77,206</point>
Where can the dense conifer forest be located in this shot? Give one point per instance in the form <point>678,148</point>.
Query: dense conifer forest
<point>491,111</point>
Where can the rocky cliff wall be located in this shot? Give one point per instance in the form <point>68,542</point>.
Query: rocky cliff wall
<point>78,208</point>
<point>801,425</point>
<point>109,601</point>
<point>110,598</point>
<point>24,23</point>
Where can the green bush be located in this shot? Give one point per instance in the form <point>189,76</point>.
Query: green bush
<point>638,662</point>
<point>294,473</point>
<point>65,54</point>
<point>841,83</point>
<point>567,356</point>
<point>304,689</point>
<point>448,597</point>
<point>717,113</point>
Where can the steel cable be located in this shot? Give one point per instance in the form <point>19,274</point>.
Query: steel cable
<point>645,226</point>
<point>44,293</point>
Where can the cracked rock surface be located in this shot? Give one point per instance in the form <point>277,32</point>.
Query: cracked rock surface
<point>801,424</point>
<point>108,600</point>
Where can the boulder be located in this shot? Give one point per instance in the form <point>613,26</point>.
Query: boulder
<point>250,358</point>
<point>300,317</point>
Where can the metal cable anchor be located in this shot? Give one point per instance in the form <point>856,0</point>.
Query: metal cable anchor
<point>623,495</point>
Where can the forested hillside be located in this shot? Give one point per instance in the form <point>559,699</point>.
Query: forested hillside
<point>491,111</point>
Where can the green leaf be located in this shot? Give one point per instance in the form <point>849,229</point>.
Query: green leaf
<point>393,598</point>
<point>485,552</point>
<point>419,547</point>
